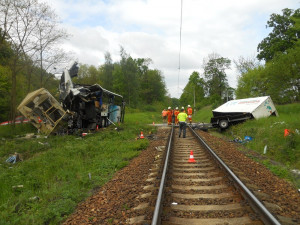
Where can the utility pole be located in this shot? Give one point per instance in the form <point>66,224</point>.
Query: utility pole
<point>227,95</point>
<point>194,101</point>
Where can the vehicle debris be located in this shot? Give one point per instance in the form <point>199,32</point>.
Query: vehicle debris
<point>201,126</point>
<point>34,198</point>
<point>82,107</point>
<point>14,158</point>
<point>18,186</point>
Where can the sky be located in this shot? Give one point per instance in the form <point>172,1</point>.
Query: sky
<point>151,29</point>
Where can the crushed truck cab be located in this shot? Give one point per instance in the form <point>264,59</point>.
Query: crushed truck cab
<point>42,110</point>
<point>236,111</point>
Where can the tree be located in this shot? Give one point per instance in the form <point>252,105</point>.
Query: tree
<point>107,72</point>
<point>4,92</point>
<point>25,25</point>
<point>194,90</point>
<point>285,34</point>
<point>284,77</point>
<point>244,65</point>
<point>279,78</point>
<point>47,36</point>
<point>18,20</point>
<point>88,75</point>
<point>129,71</point>
<point>153,87</point>
<point>215,76</point>
<point>252,83</point>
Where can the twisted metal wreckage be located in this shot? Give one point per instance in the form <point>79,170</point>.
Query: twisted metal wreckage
<point>81,107</point>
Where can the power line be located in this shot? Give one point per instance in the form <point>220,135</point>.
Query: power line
<point>179,46</point>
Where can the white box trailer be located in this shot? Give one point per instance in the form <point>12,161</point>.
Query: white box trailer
<point>235,111</point>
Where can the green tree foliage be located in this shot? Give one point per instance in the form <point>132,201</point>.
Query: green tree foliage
<point>107,72</point>
<point>21,22</point>
<point>285,34</point>
<point>279,78</point>
<point>5,56</point>
<point>193,91</point>
<point>284,77</point>
<point>4,92</point>
<point>88,75</point>
<point>215,75</point>
<point>252,83</point>
<point>153,87</point>
<point>152,84</point>
<point>129,77</point>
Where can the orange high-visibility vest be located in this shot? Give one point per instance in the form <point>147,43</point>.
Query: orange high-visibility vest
<point>189,111</point>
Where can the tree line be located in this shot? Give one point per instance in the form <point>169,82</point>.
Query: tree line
<point>132,78</point>
<point>275,71</point>
<point>30,34</point>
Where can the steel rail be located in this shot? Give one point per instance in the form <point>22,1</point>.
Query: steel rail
<point>267,217</point>
<point>156,217</point>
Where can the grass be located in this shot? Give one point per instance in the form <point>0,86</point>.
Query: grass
<point>203,115</point>
<point>283,153</point>
<point>20,129</point>
<point>58,172</point>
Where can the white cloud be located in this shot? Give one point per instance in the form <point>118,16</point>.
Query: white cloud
<point>150,29</point>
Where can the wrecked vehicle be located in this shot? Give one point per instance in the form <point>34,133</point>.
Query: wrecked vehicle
<point>236,111</point>
<point>91,106</point>
<point>42,110</point>
<point>81,107</point>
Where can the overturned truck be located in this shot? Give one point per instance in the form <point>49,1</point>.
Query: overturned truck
<point>81,108</point>
<point>236,111</point>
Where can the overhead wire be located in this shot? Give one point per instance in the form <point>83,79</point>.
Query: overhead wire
<point>179,47</point>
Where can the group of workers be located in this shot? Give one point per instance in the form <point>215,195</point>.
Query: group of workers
<point>178,118</point>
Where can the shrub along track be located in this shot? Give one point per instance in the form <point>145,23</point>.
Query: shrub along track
<point>130,196</point>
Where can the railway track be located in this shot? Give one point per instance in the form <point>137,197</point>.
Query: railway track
<point>200,192</point>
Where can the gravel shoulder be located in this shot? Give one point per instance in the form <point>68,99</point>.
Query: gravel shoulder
<point>283,196</point>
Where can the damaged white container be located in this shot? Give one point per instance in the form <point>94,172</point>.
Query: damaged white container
<point>242,109</point>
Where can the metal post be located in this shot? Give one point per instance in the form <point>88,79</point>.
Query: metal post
<point>194,101</point>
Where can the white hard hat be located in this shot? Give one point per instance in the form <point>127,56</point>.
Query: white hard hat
<point>182,107</point>
<point>189,106</point>
<point>176,107</point>
<point>169,107</point>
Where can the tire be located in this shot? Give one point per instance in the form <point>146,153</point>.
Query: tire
<point>223,124</point>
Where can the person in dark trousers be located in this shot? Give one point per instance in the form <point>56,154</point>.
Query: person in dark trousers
<point>182,116</point>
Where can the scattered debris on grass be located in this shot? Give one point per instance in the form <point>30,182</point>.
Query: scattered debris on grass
<point>14,158</point>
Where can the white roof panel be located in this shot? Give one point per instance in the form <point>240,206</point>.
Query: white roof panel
<point>247,105</point>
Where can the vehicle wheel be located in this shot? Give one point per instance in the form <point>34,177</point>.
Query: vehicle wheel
<point>223,124</point>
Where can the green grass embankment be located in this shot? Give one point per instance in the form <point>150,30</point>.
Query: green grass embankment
<point>283,153</point>
<point>20,129</point>
<point>58,172</point>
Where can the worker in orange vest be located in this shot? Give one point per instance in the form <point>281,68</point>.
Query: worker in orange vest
<point>170,114</point>
<point>164,115</point>
<point>190,112</point>
<point>176,112</point>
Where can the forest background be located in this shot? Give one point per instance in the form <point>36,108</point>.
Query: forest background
<point>30,37</point>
